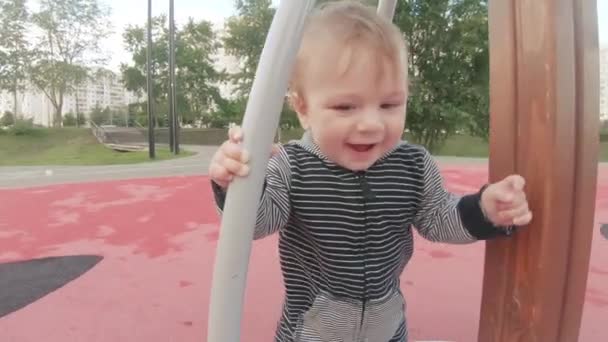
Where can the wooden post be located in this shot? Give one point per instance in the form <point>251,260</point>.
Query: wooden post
<point>544,61</point>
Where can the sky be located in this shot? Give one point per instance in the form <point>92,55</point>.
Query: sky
<point>134,12</point>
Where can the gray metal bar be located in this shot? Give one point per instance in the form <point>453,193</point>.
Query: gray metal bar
<point>386,8</point>
<point>243,197</point>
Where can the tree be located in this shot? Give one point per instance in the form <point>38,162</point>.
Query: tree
<point>8,119</point>
<point>134,76</point>
<point>14,52</point>
<point>245,37</point>
<point>448,45</point>
<point>448,67</point>
<point>101,116</point>
<point>246,34</point>
<point>71,32</point>
<point>196,75</point>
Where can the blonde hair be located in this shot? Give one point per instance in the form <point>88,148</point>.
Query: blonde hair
<point>348,26</point>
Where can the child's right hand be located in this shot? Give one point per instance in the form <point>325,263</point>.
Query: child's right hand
<point>230,160</point>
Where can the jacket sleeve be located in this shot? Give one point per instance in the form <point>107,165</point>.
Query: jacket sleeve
<point>446,217</point>
<point>274,208</point>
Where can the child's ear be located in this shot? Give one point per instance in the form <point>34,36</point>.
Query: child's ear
<point>299,106</point>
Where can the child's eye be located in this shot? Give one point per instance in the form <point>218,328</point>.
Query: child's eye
<point>343,107</point>
<point>389,105</point>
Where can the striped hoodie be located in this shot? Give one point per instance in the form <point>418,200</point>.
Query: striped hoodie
<point>345,237</point>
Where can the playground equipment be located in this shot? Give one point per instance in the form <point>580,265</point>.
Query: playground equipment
<point>544,125</point>
<point>544,121</point>
<point>173,115</point>
<point>259,127</point>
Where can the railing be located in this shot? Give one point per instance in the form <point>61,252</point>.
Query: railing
<point>98,132</point>
<point>101,134</point>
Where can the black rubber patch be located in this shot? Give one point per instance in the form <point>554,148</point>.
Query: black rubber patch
<point>604,230</point>
<point>24,282</point>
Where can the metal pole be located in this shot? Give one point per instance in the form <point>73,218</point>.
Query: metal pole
<point>174,122</point>
<point>151,117</point>
<point>386,8</point>
<point>242,200</point>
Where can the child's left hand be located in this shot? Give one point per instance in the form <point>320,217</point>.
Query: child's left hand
<point>504,203</point>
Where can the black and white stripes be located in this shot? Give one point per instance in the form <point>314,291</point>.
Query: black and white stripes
<point>345,237</point>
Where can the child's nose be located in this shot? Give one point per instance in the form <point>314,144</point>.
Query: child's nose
<point>370,122</point>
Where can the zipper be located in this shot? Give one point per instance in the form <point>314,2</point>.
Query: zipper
<point>368,195</point>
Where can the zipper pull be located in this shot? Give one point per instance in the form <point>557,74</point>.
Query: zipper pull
<point>367,190</point>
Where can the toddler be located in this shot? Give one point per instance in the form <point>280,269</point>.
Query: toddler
<point>346,197</point>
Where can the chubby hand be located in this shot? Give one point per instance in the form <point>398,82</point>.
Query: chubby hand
<point>504,203</point>
<point>231,160</point>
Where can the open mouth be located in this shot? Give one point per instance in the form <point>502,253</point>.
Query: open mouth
<point>361,147</point>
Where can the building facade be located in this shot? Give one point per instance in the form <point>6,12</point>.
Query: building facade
<point>103,89</point>
<point>604,84</point>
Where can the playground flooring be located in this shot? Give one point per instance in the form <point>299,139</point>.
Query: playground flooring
<point>132,259</point>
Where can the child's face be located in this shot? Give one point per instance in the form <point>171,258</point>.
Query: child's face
<point>354,116</point>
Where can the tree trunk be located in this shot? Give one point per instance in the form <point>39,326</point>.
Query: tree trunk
<point>58,121</point>
<point>77,109</point>
<point>15,105</point>
<point>57,117</point>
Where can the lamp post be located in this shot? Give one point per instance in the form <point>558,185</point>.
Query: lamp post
<point>173,119</point>
<point>151,117</point>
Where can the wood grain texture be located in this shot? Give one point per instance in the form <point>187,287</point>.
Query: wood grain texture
<point>544,126</point>
<point>587,149</point>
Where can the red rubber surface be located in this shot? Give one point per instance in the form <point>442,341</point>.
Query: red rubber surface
<point>158,239</point>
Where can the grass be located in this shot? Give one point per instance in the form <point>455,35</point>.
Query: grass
<point>67,146</point>
<point>466,146</point>
<point>73,146</point>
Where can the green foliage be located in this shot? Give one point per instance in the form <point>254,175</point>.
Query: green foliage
<point>245,37</point>
<point>14,50</point>
<point>101,116</point>
<point>289,118</point>
<point>449,63</point>
<point>196,76</point>
<point>8,119</point>
<point>448,67</point>
<point>72,120</point>
<point>137,114</point>
<point>25,128</point>
<point>68,146</point>
<point>107,116</point>
<point>229,111</point>
<point>69,120</point>
<point>70,33</point>
<point>119,117</point>
<point>134,77</point>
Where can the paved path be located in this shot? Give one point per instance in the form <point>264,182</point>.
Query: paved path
<point>27,176</point>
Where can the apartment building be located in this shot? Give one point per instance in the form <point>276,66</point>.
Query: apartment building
<point>103,89</point>
<point>228,63</point>
<point>604,84</point>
